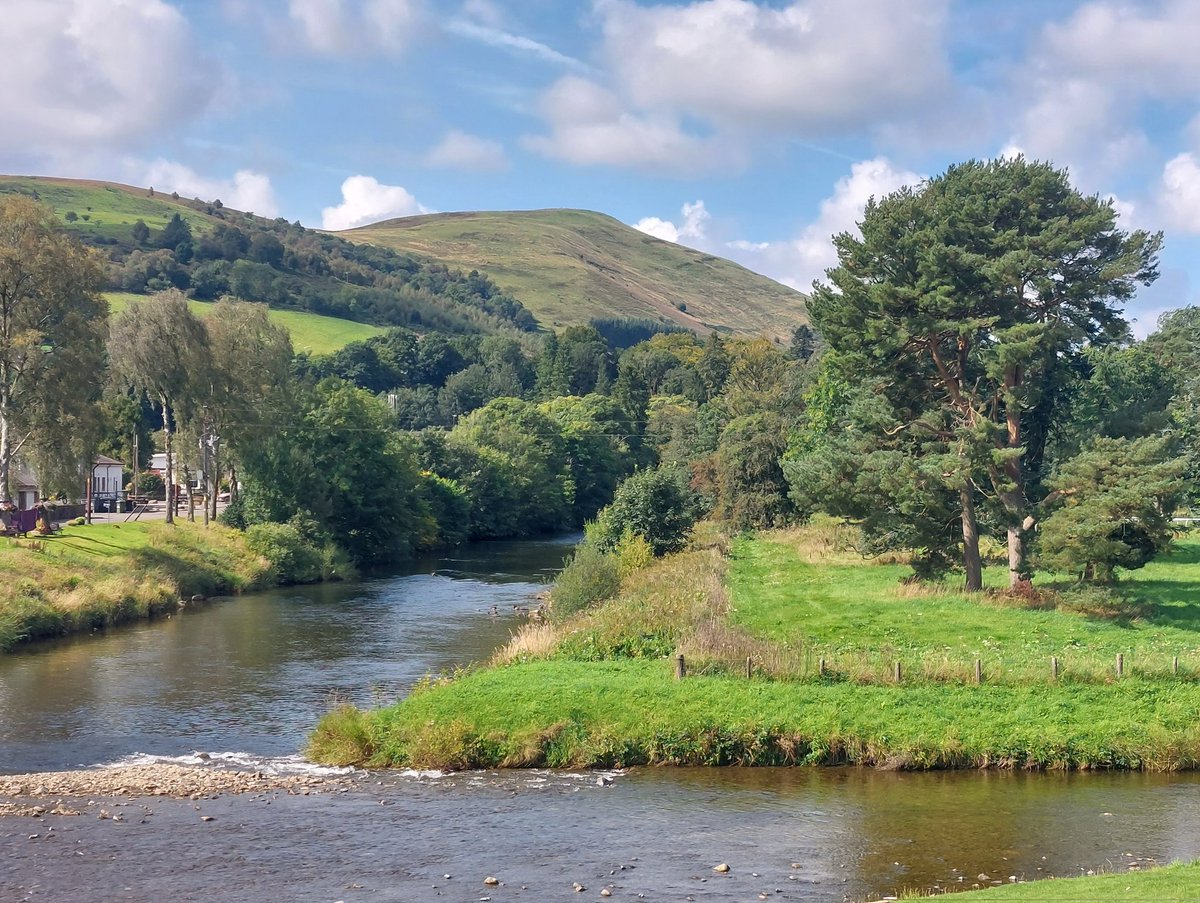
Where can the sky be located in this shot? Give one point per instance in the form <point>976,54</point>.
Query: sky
<point>751,130</point>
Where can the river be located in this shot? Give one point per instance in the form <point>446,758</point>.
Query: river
<point>242,680</point>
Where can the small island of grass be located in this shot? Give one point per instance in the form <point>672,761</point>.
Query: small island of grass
<point>823,632</point>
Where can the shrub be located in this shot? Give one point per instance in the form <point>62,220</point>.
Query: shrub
<point>657,505</point>
<point>590,576</point>
<point>292,557</point>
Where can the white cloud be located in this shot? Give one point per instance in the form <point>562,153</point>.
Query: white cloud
<point>247,190</point>
<point>365,200</point>
<point>83,73</point>
<point>812,65</point>
<point>459,150</point>
<point>1087,78</point>
<point>691,230</point>
<point>346,27</point>
<point>801,260</point>
<point>590,126</point>
<point>1179,196</point>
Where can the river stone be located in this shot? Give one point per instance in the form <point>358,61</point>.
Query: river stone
<point>491,881</point>
<point>722,868</point>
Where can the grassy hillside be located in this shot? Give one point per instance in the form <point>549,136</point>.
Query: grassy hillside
<point>310,332</point>
<point>105,209</point>
<point>568,266</point>
<point>217,250</point>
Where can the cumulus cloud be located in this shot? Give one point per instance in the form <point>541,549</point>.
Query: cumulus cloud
<point>806,257</point>
<point>811,65</point>
<point>365,200</point>
<point>1087,77</point>
<point>691,230</point>
<point>342,27</point>
<point>247,190</point>
<point>82,73</point>
<point>1179,195</point>
<point>589,125</point>
<point>460,150</point>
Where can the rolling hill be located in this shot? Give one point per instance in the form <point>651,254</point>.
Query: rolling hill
<point>565,267</point>
<point>569,266</point>
<point>150,241</point>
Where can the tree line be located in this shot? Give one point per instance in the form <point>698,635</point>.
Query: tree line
<point>968,383</point>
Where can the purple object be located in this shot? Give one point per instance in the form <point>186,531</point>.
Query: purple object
<point>27,521</point>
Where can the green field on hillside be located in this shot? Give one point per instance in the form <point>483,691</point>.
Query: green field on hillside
<point>313,333</point>
<point>569,266</point>
<point>104,208</point>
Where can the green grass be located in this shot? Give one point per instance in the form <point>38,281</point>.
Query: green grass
<point>860,618</point>
<point>96,576</point>
<point>111,209</point>
<point>1171,884</point>
<point>569,713</point>
<point>568,266</point>
<point>310,332</point>
<point>597,687</point>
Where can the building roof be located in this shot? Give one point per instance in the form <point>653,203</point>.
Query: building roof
<point>104,459</point>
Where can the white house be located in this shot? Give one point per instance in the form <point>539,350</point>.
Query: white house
<point>108,482</point>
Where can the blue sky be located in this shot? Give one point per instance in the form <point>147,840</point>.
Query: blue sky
<point>753,130</point>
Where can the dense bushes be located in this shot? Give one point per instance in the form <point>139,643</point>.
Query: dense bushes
<point>655,504</point>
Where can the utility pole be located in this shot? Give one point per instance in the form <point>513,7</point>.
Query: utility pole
<point>136,493</point>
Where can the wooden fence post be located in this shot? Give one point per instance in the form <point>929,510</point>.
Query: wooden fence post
<point>1175,666</point>
<point>978,671</point>
<point>749,667</point>
<point>680,667</point>
<point>1120,664</point>
<point>898,673</point>
<point>1054,667</point>
<point>821,667</point>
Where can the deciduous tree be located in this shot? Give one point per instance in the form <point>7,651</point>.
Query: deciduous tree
<point>52,323</point>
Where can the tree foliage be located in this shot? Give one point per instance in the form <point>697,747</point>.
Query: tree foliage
<point>961,299</point>
<point>52,323</point>
<point>1117,499</point>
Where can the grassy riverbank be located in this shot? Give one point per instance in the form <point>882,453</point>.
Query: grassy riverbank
<point>89,577</point>
<point>599,689</point>
<point>1170,884</point>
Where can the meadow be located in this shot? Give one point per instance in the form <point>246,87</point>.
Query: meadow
<point>311,333</point>
<point>753,617</point>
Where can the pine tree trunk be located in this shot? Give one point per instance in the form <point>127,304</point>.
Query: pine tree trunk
<point>1017,573</point>
<point>972,561</point>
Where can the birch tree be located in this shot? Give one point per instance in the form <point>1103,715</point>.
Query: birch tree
<point>52,323</point>
<point>160,348</point>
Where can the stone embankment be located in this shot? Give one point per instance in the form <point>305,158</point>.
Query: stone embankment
<point>18,793</point>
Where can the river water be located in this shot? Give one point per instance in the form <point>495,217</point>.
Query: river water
<point>242,681</point>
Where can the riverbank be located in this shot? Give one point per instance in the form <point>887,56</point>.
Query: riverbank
<point>87,578</point>
<point>1168,884</point>
<point>598,689</point>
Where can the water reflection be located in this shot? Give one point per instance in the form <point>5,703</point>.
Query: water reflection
<point>255,672</point>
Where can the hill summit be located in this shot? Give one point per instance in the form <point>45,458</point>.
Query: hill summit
<point>570,266</point>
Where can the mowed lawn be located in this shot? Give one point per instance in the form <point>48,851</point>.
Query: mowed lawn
<point>313,333</point>
<point>858,615</point>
